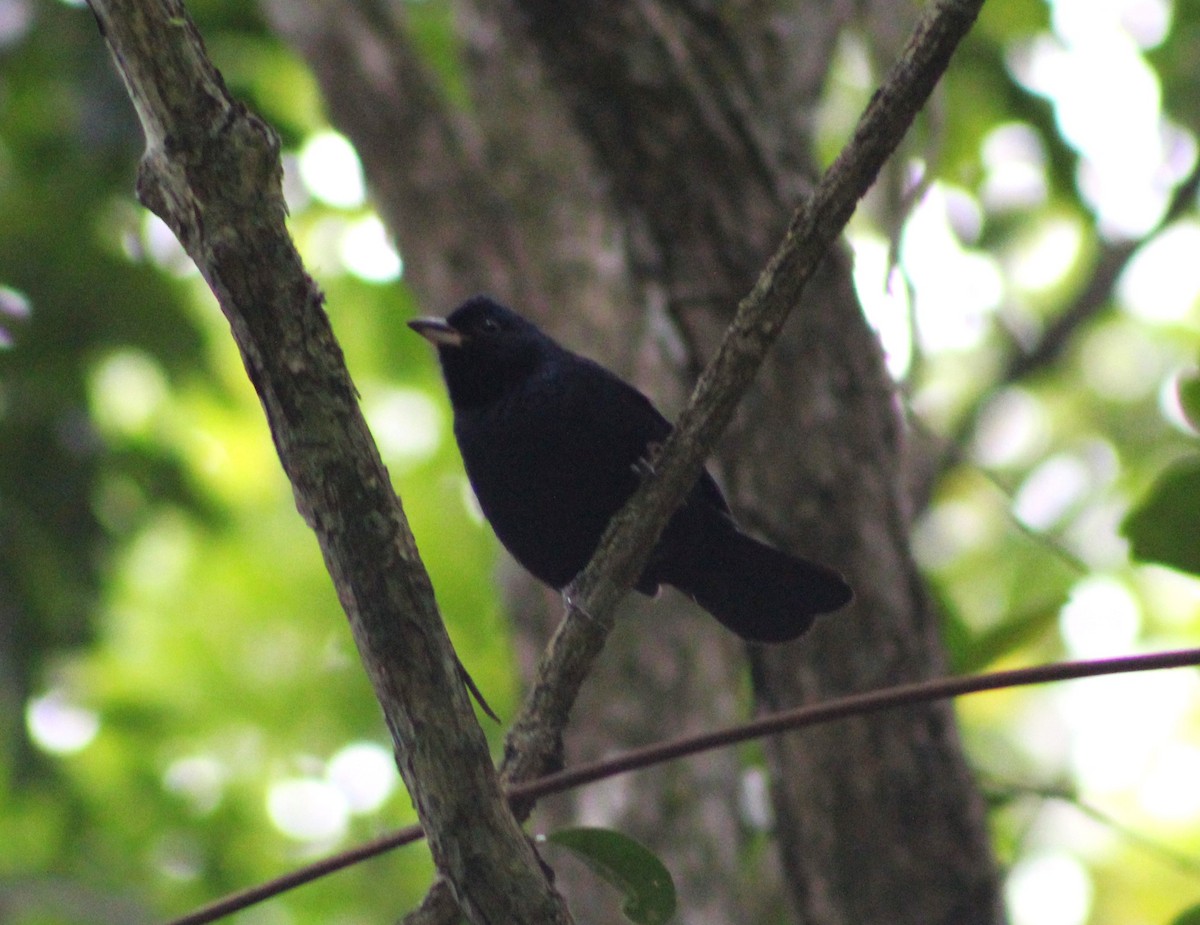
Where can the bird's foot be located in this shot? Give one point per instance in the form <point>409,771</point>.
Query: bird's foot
<point>571,602</point>
<point>643,466</point>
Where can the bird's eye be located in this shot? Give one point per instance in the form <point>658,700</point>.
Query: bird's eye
<point>489,326</point>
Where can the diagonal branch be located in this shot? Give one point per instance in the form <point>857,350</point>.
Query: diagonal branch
<point>211,171</point>
<point>534,744</point>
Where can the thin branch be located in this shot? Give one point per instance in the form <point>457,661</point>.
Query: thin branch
<point>777,723</point>
<point>1098,293</point>
<point>887,698</point>
<point>252,896</point>
<point>1091,302</point>
<point>211,171</point>
<point>534,743</point>
<point>1095,298</point>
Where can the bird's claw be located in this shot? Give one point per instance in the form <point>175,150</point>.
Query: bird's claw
<point>571,604</point>
<point>643,466</point>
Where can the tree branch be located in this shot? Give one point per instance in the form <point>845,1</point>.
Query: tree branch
<point>533,747</point>
<point>211,171</point>
<point>775,724</point>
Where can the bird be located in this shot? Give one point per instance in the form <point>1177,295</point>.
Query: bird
<point>554,444</point>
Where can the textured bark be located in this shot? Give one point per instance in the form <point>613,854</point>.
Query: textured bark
<point>902,835</point>
<point>211,171</point>
<point>649,154</point>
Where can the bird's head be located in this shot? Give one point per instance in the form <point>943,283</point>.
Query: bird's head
<point>485,349</point>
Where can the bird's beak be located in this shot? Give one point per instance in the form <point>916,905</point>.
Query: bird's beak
<point>437,331</point>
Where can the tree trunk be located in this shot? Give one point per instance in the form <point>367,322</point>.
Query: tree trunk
<point>622,176</point>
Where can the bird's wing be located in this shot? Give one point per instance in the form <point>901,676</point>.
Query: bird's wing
<point>634,427</point>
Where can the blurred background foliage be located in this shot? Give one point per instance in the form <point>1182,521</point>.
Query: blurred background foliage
<point>182,711</point>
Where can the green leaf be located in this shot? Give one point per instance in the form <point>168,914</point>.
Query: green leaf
<point>1189,916</point>
<point>1164,526</point>
<point>1188,387</point>
<point>629,866</point>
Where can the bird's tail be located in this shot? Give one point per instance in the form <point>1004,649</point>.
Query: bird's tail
<point>760,593</point>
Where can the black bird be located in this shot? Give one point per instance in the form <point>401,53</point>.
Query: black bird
<point>552,444</point>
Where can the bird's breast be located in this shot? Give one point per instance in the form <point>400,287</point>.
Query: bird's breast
<point>545,481</point>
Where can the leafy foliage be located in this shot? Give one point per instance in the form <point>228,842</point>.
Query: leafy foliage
<point>1189,916</point>
<point>649,892</point>
<point>1163,527</point>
